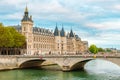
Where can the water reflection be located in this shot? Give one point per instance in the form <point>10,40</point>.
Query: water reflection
<point>101,66</point>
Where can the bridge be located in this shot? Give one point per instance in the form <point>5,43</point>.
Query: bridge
<point>65,62</point>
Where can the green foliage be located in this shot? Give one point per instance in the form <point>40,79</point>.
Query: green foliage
<point>101,50</point>
<point>9,37</point>
<point>19,39</point>
<point>108,50</point>
<point>93,49</point>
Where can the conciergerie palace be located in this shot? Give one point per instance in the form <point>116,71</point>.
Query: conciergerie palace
<point>44,41</point>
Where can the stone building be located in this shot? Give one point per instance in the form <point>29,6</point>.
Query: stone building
<point>44,41</point>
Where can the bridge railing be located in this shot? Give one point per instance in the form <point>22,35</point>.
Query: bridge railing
<point>43,55</point>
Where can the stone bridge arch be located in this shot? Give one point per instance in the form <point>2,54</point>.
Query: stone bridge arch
<point>79,64</point>
<point>34,62</point>
<point>29,62</point>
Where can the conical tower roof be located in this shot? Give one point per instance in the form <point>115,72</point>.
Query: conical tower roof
<point>62,32</point>
<point>56,32</point>
<point>71,33</point>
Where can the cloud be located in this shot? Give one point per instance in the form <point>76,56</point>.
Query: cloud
<point>117,7</point>
<point>107,25</point>
<point>105,40</point>
<point>12,16</point>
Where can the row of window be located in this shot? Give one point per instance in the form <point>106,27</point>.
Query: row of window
<point>41,33</point>
<point>45,46</point>
<point>44,39</point>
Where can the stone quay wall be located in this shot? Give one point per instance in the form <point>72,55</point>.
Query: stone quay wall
<point>8,62</point>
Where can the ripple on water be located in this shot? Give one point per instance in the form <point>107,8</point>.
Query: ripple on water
<point>104,70</point>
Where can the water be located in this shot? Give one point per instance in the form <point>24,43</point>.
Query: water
<point>94,70</point>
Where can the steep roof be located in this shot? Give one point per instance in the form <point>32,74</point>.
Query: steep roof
<point>26,16</point>
<point>71,33</point>
<point>56,32</point>
<point>62,32</point>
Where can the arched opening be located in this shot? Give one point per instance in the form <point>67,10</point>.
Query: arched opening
<point>40,64</point>
<point>31,63</point>
<point>79,65</point>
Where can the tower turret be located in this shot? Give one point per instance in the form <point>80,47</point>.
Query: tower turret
<point>56,32</point>
<point>62,32</point>
<point>71,33</point>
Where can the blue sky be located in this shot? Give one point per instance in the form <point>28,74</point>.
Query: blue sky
<point>97,21</point>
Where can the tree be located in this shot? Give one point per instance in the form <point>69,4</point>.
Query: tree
<point>10,38</point>
<point>108,50</point>
<point>19,39</point>
<point>101,50</point>
<point>93,49</point>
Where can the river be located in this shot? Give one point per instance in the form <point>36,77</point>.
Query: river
<point>94,70</point>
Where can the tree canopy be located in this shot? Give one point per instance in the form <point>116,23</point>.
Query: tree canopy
<point>101,50</point>
<point>93,49</point>
<point>9,37</point>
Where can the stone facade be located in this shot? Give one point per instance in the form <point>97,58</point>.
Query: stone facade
<point>44,41</point>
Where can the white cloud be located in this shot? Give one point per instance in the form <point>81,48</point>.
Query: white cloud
<point>104,39</point>
<point>115,24</point>
<point>117,7</point>
<point>12,16</point>
<point>52,6</point>
<point>13,2</point>
<point>54,11</point>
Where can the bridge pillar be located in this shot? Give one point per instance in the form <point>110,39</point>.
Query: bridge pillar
<point>65,68</point>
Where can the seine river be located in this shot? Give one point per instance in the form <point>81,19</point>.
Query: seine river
<point>94,70</point>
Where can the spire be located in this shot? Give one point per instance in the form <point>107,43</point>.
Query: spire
<point>26,9</point>
<point>62,32</point>
<point>71,33</point>
<point>56,32</point>
<point>26,16</point>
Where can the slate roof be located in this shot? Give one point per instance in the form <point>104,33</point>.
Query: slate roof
<point>18,28</point>
<point>26,16</point>
<point>56,32</point>
<point>62,32</point>
<point>37,30</point>
<point>71,33</point>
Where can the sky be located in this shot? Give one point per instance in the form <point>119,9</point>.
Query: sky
<point>95,21</point>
